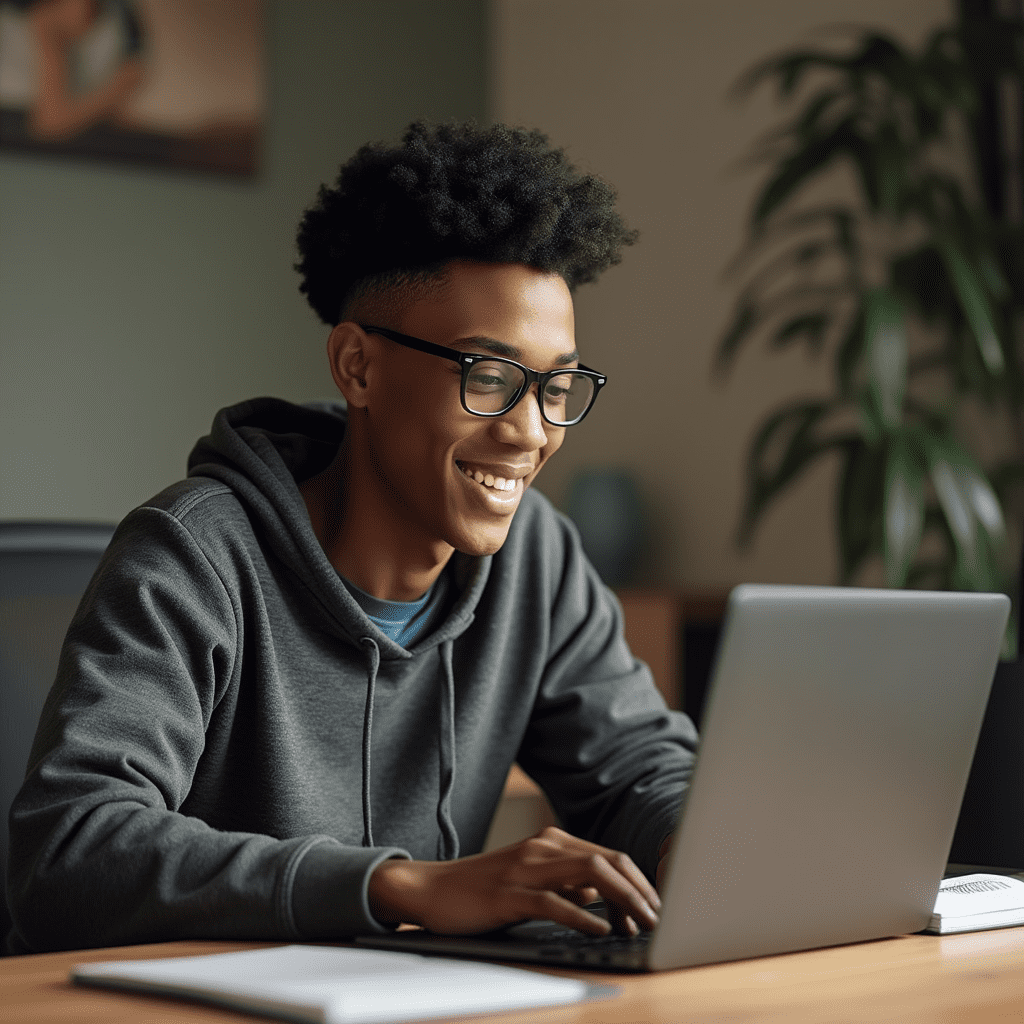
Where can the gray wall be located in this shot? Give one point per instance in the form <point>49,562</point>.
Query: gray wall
<point>134,303</point>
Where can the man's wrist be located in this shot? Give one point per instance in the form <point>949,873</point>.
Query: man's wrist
<point>393,891</point>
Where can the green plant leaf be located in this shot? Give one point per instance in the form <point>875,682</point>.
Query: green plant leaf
<point>804,162</point>
<point>793,230</point>
<point>920,278</point>
<point>810,122</point>
<point>882,55</point>
<point>886,355</point>
<point>846,237</point>
<point>867,164</point>
<point>975,305</point>
<point>752,314</point>
<point>744,321</point>
<point>950,83</point>
<point>891,165</point>
<point>813,327</point>
<point>960,517</point>
<point>785,445</point>
<point>801,257</point>
<point>992,275</point>
<point>903,508</point>
<point>858,509</point>
<point>938,199</point>
<point>851,349</point>
<point>972,512</point>
<point>787,69</point>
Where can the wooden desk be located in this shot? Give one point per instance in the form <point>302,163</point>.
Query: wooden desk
<point>915,979</point>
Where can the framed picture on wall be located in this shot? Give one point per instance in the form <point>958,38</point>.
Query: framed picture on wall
<point>175,83</point>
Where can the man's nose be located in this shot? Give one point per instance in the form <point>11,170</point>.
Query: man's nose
<point>526,420</point>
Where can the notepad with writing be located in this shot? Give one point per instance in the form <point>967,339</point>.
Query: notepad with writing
<point>971,903</point>
<point>337,985</point>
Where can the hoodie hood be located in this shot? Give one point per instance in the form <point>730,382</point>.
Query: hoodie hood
<point>262,449</point>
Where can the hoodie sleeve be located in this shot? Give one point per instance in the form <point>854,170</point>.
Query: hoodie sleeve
<point>100,852</point>
<point>613,759</point>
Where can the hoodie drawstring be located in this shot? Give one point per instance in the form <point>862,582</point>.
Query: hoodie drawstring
<point>448,841</point>
<point>371,684</point>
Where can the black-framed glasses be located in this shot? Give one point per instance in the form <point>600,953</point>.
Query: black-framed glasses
<point>492,385</point>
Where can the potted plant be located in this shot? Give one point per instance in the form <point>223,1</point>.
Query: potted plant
<point>912,285</point>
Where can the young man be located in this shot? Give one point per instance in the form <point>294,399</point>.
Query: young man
<point>291,695</point>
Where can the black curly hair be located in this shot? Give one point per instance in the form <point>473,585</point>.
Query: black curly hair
<point>398,214</point>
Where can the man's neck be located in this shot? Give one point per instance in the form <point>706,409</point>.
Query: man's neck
<point>352,525</point>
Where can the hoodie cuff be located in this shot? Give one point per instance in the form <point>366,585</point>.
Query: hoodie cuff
<point>330,891</point>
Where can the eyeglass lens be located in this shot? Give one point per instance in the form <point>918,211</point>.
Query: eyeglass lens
<point>491,387</point>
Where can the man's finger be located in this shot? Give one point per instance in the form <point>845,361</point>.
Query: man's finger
<point>627,866</point>
<point>581,897</point>
<point>618,891</point>
<point>622,923</point>
<point>560,842</point>
<point>584,869</point>
<point>547,905</point>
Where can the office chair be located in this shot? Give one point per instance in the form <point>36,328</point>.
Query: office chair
<point>44,568</point>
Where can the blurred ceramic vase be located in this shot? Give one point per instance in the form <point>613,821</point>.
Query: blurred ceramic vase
<point>605,505</point>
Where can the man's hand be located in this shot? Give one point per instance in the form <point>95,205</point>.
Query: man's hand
<point>550,877</point>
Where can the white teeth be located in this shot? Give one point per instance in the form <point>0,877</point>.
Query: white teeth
<point>498,483</point>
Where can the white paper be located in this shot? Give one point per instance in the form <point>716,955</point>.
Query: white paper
<point>336,985</point>
<point>978,901</point>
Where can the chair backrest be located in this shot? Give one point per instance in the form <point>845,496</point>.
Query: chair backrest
<point>44,569</point>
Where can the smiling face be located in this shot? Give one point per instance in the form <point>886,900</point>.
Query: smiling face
<point>443,476</point>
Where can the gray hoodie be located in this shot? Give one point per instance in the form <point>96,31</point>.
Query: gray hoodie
<point>231,746</point>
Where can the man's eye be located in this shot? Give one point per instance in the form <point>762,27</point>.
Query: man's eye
<point>486,382</point>
<point>558,389</point>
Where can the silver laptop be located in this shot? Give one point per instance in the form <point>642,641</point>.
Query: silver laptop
<point>838,737</point>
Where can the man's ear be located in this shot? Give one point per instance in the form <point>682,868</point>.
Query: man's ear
<point>350,352</point>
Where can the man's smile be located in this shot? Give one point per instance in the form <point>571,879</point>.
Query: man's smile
<point>500,493</point>
<point>498,476</point>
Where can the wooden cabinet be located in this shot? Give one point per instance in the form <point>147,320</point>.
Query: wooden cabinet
<point>651,624</point>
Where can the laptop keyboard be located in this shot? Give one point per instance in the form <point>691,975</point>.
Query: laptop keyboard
<point>565,945</point>
<point>529,942</point>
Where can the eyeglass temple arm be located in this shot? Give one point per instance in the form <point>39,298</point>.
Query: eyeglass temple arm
<point>418,343</point>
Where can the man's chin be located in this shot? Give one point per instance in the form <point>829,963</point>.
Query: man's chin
<point>481,546</point>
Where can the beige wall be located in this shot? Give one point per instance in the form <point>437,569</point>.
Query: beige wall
<point>637,91</point>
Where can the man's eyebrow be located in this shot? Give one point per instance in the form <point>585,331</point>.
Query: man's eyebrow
<point>502,348</point>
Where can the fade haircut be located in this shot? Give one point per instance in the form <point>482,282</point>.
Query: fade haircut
<point>397,215</point>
